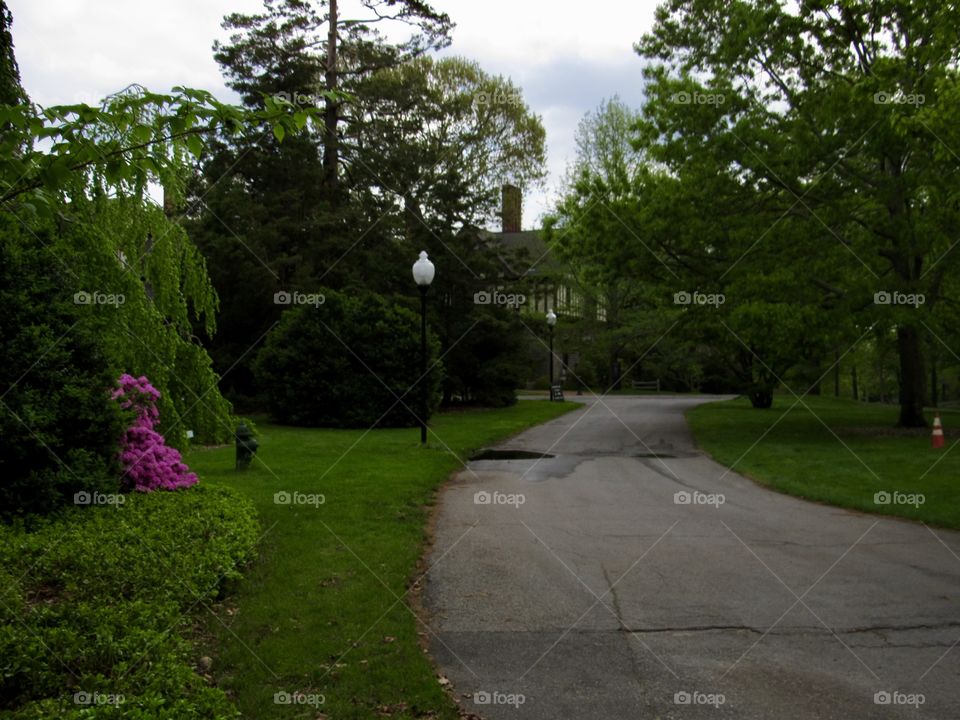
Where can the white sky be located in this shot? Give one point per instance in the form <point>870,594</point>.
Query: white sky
<point>566,55</point>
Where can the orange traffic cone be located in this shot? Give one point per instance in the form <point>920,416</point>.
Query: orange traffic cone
<point>937,439</point>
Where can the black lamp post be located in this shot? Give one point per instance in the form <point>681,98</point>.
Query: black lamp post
<point>423,272</point>
<point>551,321</point>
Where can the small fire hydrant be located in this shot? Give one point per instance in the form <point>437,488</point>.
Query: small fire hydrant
<point>246,446</point>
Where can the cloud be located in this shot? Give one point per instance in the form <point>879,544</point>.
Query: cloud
<point>526,33</point>
<point>562,92</point>
<point>71,50</point>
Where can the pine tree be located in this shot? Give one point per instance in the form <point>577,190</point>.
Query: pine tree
<point>11,91</point>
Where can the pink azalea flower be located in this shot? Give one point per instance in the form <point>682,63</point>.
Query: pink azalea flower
<point>148,462</point>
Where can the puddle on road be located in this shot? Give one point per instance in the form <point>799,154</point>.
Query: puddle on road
<point>509,455</point>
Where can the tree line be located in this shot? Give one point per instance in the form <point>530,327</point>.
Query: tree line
<point>784,201</point>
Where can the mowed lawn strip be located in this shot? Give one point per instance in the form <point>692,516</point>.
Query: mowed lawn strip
<point>838,451</point>
<point>318,613</point>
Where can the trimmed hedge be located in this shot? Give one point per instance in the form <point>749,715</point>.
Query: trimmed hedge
<point>99,603</point>
<point>58,425</point>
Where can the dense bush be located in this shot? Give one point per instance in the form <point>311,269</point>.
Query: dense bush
<point>97,602</point>
<point>345,363</point>
<point>490,361</point>
<point>58,425</point>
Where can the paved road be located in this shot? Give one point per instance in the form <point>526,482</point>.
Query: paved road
<point>600,596</point>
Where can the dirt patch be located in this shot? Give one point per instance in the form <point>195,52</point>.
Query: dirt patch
<point>416,600</point>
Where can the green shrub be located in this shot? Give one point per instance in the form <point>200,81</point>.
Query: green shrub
<point>58,425</point>
<point>105,600</point>
<point>490,361</point>
<point>345,363</point>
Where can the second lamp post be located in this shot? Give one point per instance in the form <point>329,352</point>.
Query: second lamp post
<point>423,272</point>
<point>551,321</point>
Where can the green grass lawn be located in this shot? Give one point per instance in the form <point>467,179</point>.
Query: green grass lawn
<point>854,453</point>
<point>324,612</point>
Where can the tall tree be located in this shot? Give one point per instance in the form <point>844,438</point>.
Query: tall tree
<point>595,216</point>
<point>439,138</point>
<point>11,91</point>
<point>272,213</point>
<point>300,47</point>
<point>832,114</point>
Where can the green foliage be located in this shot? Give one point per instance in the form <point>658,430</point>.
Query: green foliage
<point>602,230</point>
<point>79,174</point>
<point>136,251</point>
<point>283,49</point>
<point>353,361</point>
<point>791,160</point>
<point>444,136</point>
<point>132,138</point>
<point>808,138</point>
<point>423,147</point>
<point>87,187</point>
<point>491,360</point>
<point>58,425</point>
<point>137,285</point>
<point>293,215</point>
<point>100,600</point>
<point>11,91</point>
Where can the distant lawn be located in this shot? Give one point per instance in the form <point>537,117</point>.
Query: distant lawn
<point>802,457</point>
<point>319,613</point>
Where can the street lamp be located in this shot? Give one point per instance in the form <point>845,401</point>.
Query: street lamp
<point>423,272</point>
<point>551,321</point>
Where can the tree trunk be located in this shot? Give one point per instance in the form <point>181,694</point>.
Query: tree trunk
<point>331,114</point>
<point>761,398</point>
<point>853,380</point>
<point>934,385</point>
<point>836,373</point>
<point>883,383</point>
<point>912,377</point>
<point>415,225</point>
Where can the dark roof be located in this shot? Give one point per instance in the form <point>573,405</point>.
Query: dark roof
<point>525,252</point>
<point>522,253</point>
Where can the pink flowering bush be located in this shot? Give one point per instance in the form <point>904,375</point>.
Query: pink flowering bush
<point>148,462</point>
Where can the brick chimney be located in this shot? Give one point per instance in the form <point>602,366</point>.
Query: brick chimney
<point>511,203</point>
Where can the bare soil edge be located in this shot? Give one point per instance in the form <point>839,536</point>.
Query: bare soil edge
<point>415,594</point>
<point>417,604</point>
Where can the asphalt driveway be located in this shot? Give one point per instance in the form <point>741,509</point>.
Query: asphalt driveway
<point>629,576</point>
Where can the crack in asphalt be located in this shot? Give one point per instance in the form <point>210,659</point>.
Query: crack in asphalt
<point>612,590</point>
<point>796,631</point>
